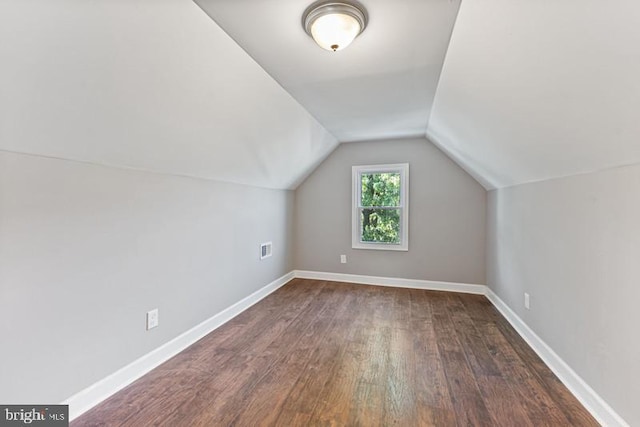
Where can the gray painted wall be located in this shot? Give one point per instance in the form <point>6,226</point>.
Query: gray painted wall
<point>86,251</point>
<point>447,211</point>
<point>574,245</point>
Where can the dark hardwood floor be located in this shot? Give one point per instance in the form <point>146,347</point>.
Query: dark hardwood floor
<point>337,354</point>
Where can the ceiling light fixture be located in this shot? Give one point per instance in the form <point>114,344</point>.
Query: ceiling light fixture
<point>334,25</point>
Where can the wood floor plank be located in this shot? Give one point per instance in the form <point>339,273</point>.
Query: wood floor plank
<point>318,353</point>
<point>433,401</point>
<point>400,400</point>
<point>242,376</point>
<point>469,406</point>
<point>570,406</point>
<point>478,355</point>
<point>540,407</point>
<point>247,331</point>
<point>504,407</point>
<point>334,404</point>
<point>295,352</point>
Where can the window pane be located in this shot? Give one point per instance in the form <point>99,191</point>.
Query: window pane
<point>380,189</point>
<point>380,225</point>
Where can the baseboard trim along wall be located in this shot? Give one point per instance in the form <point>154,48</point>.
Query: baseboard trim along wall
<point>96,393</point>
<point>601,411</point>
<point>393,282</point>
<point>81,402</point>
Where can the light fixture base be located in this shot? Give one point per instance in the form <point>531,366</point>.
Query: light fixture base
<point>321,9</point>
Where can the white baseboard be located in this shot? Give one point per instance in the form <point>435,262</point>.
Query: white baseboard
<point>393,282</point>
<point>96,393</point>
<point>601,411</point>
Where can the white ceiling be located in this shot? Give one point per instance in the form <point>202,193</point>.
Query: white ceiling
<point>151,85</point>
<point>533,90</point>
<point>530,90</point>
<point>381,86</point>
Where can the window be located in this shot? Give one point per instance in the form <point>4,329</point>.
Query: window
<point>380,214</point>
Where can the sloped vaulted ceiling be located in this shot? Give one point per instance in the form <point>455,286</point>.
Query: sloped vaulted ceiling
<point>529,90</point>
<point>381,86</point>
<point>532,90</point>
<point>151,85</point>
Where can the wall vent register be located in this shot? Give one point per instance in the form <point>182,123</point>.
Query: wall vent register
<point>265,250</point>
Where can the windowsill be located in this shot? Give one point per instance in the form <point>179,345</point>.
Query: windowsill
<point>379,247</point>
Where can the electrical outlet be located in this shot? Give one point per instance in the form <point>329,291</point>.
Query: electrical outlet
<point>152,319</point>
<point>343,259</point>
<point>526,301</point>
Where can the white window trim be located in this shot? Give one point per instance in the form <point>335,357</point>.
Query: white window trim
<point>356,172</point>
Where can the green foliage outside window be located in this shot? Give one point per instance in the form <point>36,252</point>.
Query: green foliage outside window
<point>380,213</point>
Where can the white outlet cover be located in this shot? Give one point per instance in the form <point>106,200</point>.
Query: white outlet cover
<point>152,319</point>
<point>527,301</point>
<point>343,259</point>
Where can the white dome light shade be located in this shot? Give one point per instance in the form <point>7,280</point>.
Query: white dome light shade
<point>335,32</point>
<point>334,25</point>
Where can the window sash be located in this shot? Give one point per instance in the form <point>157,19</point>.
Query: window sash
<point>380,207</point>
<point>380,172</point>
<point>357,207</point>
<point>377,242</point>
